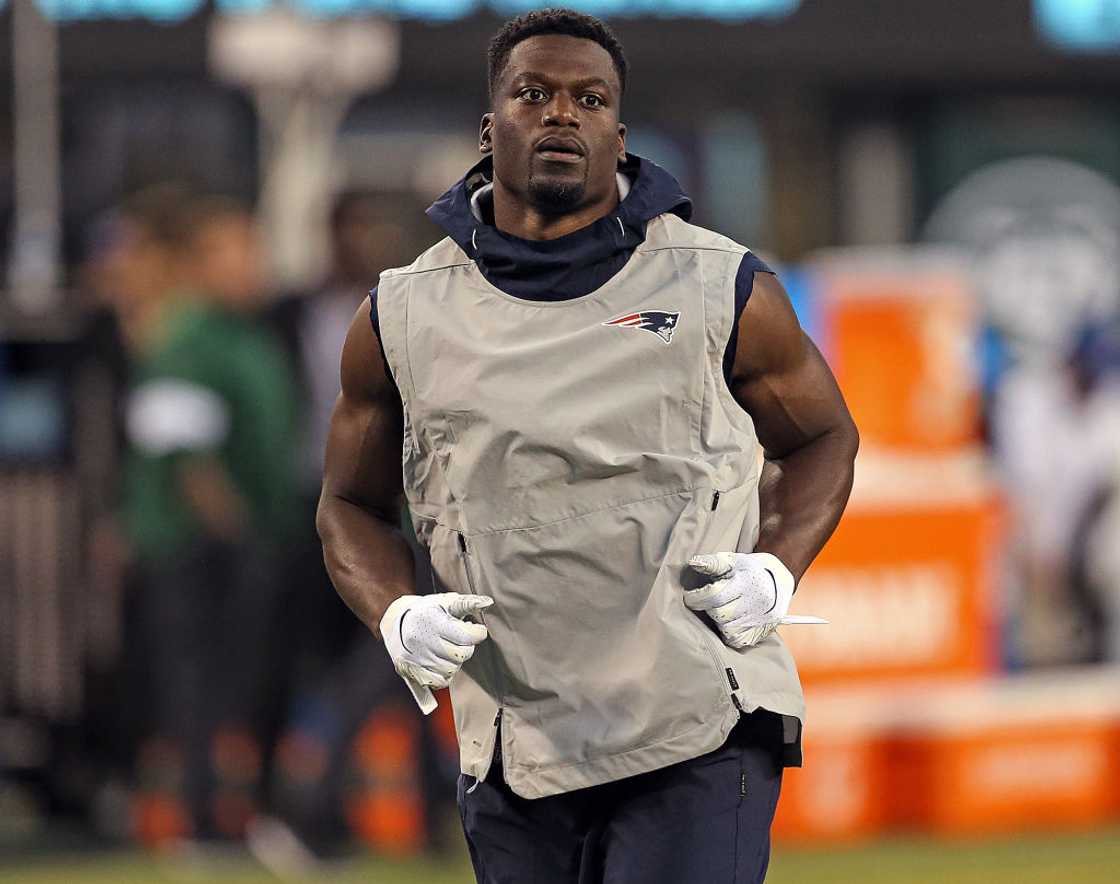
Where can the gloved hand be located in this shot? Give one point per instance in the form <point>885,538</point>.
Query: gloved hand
<point>429,639</point>
<point>747,599</point>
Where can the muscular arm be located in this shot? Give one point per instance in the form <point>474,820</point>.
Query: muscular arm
<point>807,434</point>
<point>367,558</point>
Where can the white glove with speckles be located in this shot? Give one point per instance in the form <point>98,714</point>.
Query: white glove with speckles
<point>748,597</point>
<point>429,639</point>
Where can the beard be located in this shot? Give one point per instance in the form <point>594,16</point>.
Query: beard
<point>556,197</point>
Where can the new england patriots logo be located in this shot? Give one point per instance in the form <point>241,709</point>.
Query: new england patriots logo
<point>661,322</point>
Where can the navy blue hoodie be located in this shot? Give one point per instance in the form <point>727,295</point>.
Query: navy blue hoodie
<point>580,262</point>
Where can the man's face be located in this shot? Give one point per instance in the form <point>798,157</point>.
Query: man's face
<point>365,242</point>
<point>226,262</point>
<point>554,129</point>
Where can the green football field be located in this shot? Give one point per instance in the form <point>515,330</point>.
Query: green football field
<point>1066,859</point>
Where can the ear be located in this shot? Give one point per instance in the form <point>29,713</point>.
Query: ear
<point>621,142</point>
<point>485,145</point>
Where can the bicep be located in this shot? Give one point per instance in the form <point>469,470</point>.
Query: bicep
<point>780,377</point>
<point>363,458</point>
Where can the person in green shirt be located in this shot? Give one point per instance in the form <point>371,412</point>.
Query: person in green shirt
<point>208,502</point>
<point>211,430</point>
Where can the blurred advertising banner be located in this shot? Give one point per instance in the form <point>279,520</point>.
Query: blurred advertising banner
<point>900,328</point>
<point>907,591</point>
<point>907,579</point>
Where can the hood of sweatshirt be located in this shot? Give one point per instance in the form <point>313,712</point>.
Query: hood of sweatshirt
<point>567,267</point>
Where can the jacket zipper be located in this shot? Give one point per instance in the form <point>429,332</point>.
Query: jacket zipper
<point>464,551</point>
<point>495,752</point>
<point>734,683</point>
<point>709,638</point>
<point>466,561</point>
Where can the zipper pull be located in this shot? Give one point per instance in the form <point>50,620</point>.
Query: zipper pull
<point>734,682</point>
<point>462,544</point>
<point>715,501</point>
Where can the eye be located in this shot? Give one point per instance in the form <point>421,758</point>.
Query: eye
<point>532,94</point>
<point>592,100</point>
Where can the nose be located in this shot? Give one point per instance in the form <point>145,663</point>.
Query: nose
<point>561,111</point>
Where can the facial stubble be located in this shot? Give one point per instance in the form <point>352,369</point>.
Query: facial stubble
<point>556,197</point>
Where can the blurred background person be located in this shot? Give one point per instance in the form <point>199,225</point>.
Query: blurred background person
<point>353,755</point>
<point>207,505</point>
<point>363,241</point>
<point>1093,575</point>
<point>1041,238</point>
<point>131,266</point>
<point>1056,432</point>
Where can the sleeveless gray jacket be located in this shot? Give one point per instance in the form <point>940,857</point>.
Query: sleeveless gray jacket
<point>567,458</point>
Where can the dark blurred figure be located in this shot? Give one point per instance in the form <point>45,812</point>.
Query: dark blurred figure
<point>355,756</point>
<point>207,505</point>
<point>364,240</point>
<point>313,327</point>
<point>130,267</point>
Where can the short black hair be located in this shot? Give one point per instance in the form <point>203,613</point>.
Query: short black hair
<point>566,22</point>
<point>161,211</point>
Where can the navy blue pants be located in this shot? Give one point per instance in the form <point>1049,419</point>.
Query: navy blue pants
<point>704,821</point>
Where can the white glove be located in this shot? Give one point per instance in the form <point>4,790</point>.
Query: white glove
<point>429,639</point>
<point>749,597</point>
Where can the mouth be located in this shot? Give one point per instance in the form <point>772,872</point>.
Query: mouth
<point>556,149</point>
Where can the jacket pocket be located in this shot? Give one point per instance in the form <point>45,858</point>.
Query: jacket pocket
<point>600,655</point>
<point>465,558</point>
<point>727,522</point>
<point>475,690</point>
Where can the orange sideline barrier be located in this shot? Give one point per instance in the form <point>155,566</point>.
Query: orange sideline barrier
<point>1038,751</point>
<point>957,757</point>
<point>838,795</point>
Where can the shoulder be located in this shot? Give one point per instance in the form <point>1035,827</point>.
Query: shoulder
<point>364,371</point>
<point>444,254</point>
<point>668,231</point>
<point>770,338</point>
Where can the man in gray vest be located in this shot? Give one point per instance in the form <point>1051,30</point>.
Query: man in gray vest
<point>577,382</point>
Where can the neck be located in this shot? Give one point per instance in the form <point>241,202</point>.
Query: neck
<point>518,218</point>
<point>145,323</point>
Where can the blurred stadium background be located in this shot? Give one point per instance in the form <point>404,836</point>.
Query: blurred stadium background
<point>938,184</point>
